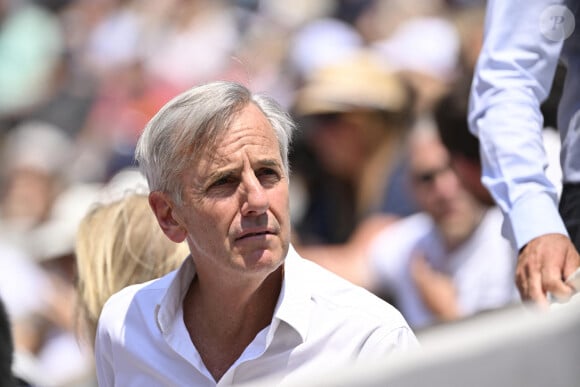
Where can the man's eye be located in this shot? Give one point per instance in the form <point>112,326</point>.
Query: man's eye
<point>222,181</point>
<point>268,175</point>
<point>267,171</point>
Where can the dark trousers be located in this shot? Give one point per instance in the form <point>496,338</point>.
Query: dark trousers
<point>570,211</point>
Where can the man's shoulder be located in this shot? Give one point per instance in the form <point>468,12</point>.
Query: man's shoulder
<point>338,296</point>
<point>144,295</point>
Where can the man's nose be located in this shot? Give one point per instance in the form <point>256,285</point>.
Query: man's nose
<point>255,200</point>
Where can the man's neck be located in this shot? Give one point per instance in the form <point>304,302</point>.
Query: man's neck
<point>222,323</point>
<point>452,242</point>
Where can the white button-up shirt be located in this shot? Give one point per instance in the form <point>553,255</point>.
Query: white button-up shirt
<point>524,40</point>
<point>320,321</point>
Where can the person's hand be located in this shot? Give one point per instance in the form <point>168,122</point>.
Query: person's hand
<point>543,265</point>
<point>436,289</point>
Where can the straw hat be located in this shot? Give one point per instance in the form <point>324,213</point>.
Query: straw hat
<point>359,83</point>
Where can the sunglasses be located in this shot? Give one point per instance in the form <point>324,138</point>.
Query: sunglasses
<point>429,176</point>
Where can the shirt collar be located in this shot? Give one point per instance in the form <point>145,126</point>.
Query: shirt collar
<point>170,306</point>
<point>294,305</point>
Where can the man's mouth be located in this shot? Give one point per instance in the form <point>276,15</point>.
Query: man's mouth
<point>254,234</point>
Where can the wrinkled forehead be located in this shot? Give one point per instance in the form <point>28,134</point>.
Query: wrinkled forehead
<point>248,131</point>
<point>201,142</point>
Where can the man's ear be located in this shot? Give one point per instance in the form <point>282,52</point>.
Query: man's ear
<point>162,207</point>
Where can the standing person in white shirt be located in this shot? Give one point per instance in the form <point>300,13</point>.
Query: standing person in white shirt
<point>244,305</point>
<point>523,42</point>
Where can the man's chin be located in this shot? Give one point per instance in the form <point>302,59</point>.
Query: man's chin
<point>262,256</point>
<point>456,233</point>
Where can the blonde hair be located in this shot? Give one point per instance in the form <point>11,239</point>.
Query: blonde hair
<point>119,244</point>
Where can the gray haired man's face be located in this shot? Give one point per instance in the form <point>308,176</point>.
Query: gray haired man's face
<point>235,211</point>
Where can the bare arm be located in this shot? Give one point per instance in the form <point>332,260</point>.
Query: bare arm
<point>436,289</point>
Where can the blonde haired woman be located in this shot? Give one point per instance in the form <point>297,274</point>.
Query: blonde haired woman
<point>119,244</point>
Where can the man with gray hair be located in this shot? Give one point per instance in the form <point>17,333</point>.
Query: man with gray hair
<point>243,305</point>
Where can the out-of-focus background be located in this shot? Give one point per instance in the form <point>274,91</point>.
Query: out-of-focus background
<point>80,78</point>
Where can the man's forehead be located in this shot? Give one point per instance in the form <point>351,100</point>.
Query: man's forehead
<point>250,140</point>
<point>218,157</point>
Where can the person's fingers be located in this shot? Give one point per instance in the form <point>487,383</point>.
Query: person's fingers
<point>535,288</point>
<point>522,283</point>
<point>530,284</point>
<point>571,264</point>
<point>574,280</point>
<point>523,276</point>
<point>552,282</point>
<point>543,265</point>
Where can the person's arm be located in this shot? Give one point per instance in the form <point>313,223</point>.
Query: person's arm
<point>436,289</point>
<point>513,76</point>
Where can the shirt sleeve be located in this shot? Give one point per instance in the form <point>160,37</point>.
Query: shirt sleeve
<point>103,358</point>
<point>385,342</point>
<point>514,74</point>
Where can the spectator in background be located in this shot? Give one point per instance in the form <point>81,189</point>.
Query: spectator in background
<point>355,114</point>
<point>514,75</point>
<point>432,63</point>
<point>196,45</point>
<point>31,48</point>
<point>40,289</point>
<point>216,159</point>
<point>119,244</point>
<point>35,269</point>
<point>320,43</point>
<point>34,159</point>
<point>380,19</point>
<point>448,261</point>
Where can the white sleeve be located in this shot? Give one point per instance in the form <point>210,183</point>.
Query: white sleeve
<point>513,76</point>
<point>385,342</point>
<point>104,358</point>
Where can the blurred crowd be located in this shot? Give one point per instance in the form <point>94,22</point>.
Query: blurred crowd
<point>79,79</point>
